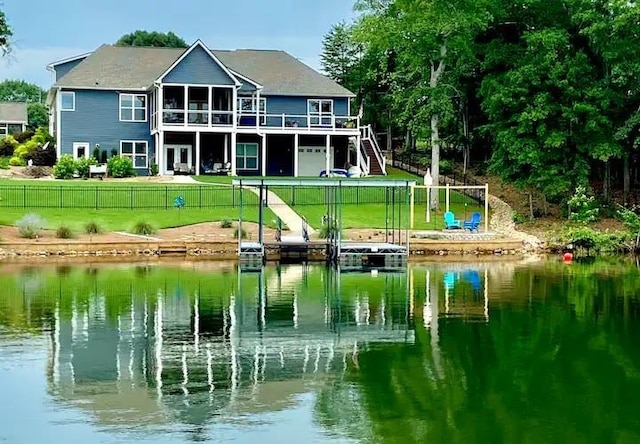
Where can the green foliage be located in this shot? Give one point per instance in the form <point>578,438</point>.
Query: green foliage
<point>64,232</point>
<point>92,227</point>
<point>17,161</point>
<point>5,34</point>
<point>582,206</point>
<point>65,167</point>
<point>7,146</point>
<point>4,163</point>
<point>339,54</point>
<point>157,39</point>
<point>120,166</point>
<point>37,115</point>
<point>238,232</point>
<point>143,228</point>
<point>82,166</point>
<point>154,169</point>
<point>587,240</point>
<point>30,226</point>
<point>328,229</point>
<point>96,153</point>
<point>23,136</point>
<point>518,218</point>
<point>103,156</point>
<point>226,223</point>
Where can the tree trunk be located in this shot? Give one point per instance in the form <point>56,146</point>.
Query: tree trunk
<point>435,159</point>
<point>606,186</point>
<point>626,179</point>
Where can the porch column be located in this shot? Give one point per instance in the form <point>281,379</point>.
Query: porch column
<point>160,107</point>
<point>234,137</point>
<point>226,149</point>
<point>186,105</point>
<point>160,153</point>
<point>197,168</point>
<point>209,105</point>
<point>258,111</point>
<point>234,107</point>
<point>263,159</point>
<point>296,156</point>
<point>327,155</point>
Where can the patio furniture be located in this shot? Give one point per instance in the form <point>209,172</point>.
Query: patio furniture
<point>450,221</point>
<point>473,223</point>
<point>182,168</point>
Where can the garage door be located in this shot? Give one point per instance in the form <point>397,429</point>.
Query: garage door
<point>311,160</point>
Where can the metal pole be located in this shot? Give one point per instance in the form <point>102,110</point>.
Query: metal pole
<point>486,207</point>
<point>386,214</point>
<point>240,221</point>
<point>260,214</point>
<point>412,208</point>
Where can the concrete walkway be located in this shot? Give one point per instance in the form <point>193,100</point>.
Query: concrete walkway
<point>285,213</point>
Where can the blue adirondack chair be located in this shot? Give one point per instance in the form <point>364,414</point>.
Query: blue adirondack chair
<point>473,223</point>
<point>450,221</point>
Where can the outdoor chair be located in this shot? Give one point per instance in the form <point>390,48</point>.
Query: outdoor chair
<point>450,221</point>
<point>473,223</point>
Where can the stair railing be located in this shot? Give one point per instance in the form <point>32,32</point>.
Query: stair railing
<point>368,134</point>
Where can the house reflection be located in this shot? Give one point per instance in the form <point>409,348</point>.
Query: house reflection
<point>190,357</point>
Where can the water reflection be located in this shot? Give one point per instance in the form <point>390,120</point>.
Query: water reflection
<point>504,352</point>
<point>191,354</point>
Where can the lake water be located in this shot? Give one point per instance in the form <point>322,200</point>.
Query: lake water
<point>510,352</point>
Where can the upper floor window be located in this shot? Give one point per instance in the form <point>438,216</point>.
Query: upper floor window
<point>67,101</point>
<point>133,108</point>
<point>248,105</point>
<point>320,111</point>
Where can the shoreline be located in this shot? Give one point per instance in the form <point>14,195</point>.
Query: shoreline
<point>227,250</point>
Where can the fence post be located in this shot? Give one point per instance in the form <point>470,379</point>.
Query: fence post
<point>166,197</point>
<point>412,207</point>
<point>24,196</point>
<point>131,198</point>
<point>61,197</point>
<point>96,198</point>
<point>200,197</point>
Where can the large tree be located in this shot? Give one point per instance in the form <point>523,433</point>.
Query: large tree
<point>157,39</point>
<point>340,54</point>
<point>21,91</point>
<point>5,34</point>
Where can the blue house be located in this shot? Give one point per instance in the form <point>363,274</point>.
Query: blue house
<point>198,111</point>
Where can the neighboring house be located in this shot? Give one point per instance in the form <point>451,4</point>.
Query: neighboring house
<point>13,118</point>
<point>194,110</point>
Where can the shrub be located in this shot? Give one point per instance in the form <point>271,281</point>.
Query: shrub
<point>44,157</point>
<point>593,241</point>
<point>4,163</point>
<point>24,136</point>
<point>238,232</point>
<point>7,146</point>
<point>64,232</point>
<point>143,228</point>
<point>120,166</point>
<point>226,223</point>
<point>328,229</point>
<point>17,161</point>
<point>30,226</point>
<point>96,153</point>
<point>103,156</point>
<point>114,152</point>
<point>518,218</point>
<point>582,206</point>
<point>154,169</point>
<point>65,167</point>
<point>92,227</point>
<point>82,166</point>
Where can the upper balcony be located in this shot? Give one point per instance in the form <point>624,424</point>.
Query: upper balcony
<point>212,107</point>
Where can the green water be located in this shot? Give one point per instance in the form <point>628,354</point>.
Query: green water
<point>508,352</point>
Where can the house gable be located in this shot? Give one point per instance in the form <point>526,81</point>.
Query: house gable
<point>198,66</point>
<point>62,67</point>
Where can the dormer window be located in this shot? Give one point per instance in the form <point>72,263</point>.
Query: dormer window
<point>133,108</point>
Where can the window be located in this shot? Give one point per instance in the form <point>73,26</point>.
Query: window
<point>133,108</point>
<point>3,131</point>
<point>320,111</point>
<point>247,156</point>
<point>67,101</point>
<point>247,105</point>
<point>137,151</point>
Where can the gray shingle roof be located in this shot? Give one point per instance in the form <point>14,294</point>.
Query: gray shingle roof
<point>126,67</point>
<point>13,112</point>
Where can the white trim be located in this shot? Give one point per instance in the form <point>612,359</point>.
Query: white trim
<point>296,155</point>
<point>208,51</point>
<point>74,101</point>
<point>13,122</point>
<point>133,107</point>
<point>253,111</point>
<point>320,115</point>
<point>85,145</point>
<point>315,95</point>
<point>196,85</point>
<point>69,59</point>
<point>99,88</point>
<point>198,160</point>
<point>264,155</point>
<point>134,154</point>
<point>246,79</point>
<point>58,125</point>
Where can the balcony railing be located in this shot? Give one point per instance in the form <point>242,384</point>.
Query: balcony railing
<point>304,121</point>
<point>310,122</point>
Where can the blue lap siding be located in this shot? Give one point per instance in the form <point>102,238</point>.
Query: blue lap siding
<point>198,68</point>
<point>64,68</point>
<point>96,120</point>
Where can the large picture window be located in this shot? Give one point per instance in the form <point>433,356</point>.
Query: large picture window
<point>137,151</point>
<point>133,108</point>
<point>247,156</point>
<point>320,111</point>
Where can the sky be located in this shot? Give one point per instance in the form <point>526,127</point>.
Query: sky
<point>46,31</point>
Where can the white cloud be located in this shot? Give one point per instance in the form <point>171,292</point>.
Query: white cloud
<point>31,64</point>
